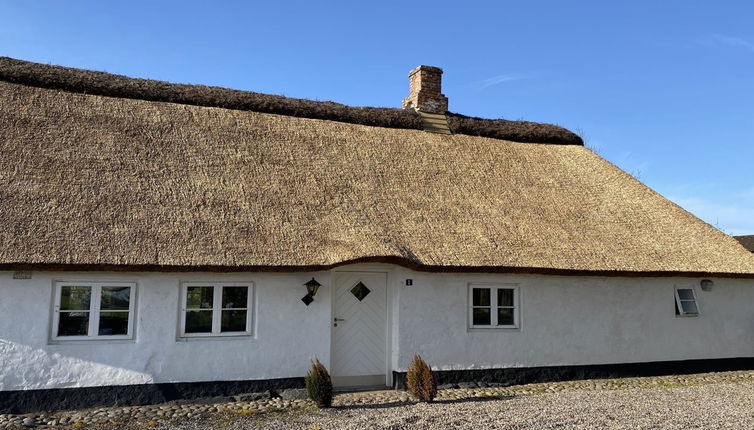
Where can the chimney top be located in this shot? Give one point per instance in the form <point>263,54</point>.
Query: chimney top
<point>425,90</point>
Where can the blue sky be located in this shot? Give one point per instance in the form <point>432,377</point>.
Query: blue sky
<point>665,90</point>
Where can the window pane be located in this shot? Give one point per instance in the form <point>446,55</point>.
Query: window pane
<point>73,324</point>
<point>75,297</point>
<point>115,298</point>
<point>235,297</point>
<point>685,294</point>
<point>481,316</point>
<point>233,321</point>
<point>198,321</point>
<point>481,296</point>
<point>505,316</point>
<point>199,297</point>
<point>689,307</point>
<point>113,323</point>
<point>505,297</point>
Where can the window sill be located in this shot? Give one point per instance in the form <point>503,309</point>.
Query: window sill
<point>81,341</point>
<point>490,328</point>
<point>214,337</point>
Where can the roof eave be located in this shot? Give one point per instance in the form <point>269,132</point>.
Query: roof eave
<point>385,259</point>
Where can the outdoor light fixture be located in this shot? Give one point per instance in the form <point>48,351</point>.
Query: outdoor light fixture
<point>707,284</point>
<point>311,289</point>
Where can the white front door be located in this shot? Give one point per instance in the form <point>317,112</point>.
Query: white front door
<point>359,328</point>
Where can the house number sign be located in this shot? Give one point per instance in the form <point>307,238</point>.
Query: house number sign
<point>22,274</point>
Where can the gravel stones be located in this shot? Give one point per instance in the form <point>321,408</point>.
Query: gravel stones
<point>294,394</point>
<point>252,397</point>
<point>708,400</point>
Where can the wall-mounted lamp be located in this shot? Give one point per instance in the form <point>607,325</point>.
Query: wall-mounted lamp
<point>707,284</point>
<point>311,289</point>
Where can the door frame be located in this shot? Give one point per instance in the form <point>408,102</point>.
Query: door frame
<point>389,289</point>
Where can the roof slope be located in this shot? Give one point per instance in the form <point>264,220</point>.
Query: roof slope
<point>88,180</point>
<point>746,241</point>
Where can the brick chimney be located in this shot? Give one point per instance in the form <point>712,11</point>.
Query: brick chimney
<point>424,90</point>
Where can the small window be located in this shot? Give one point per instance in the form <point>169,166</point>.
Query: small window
<point>493,306</point>
<point>685,302</point>
<point>210,309</point>
<point>90,311</point>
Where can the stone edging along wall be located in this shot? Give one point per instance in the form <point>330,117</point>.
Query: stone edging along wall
<point>530,375</point>
<point>23,401</point>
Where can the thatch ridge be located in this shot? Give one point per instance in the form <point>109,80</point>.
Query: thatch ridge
<point>111,85</point>
<point>515,131</point>
<point>99,182</point>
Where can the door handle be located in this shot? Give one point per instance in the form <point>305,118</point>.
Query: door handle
<point>339,319</point>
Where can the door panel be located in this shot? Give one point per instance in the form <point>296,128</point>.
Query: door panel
<point>359,328</point>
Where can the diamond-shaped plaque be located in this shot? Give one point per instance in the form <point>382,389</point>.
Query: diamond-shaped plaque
<point>307,299</point>
<point>360,291</point>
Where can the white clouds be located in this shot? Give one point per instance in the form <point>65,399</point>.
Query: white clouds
<point>736,42</point>
<point>499,79</point>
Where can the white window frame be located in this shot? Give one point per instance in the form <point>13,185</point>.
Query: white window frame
<point>493,306</point>
<point>217,309</point>
<point>94,311</point>
<point>678,301</point>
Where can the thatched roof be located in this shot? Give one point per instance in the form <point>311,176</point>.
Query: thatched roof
<point>106,84</point>
<point>747,241</point>
<point>90,181</point>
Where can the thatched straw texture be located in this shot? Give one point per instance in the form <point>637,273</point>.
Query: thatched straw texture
<point>106,84</point>
<point>747,242</point>
<point>111,182</point>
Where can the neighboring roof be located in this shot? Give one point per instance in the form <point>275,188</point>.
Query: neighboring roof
<point>746,241</point>
<point>88,181</point>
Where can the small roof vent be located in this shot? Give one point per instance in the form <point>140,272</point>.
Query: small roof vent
<point>435,122</point>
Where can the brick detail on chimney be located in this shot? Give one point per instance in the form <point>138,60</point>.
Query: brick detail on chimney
<point>425,90</point>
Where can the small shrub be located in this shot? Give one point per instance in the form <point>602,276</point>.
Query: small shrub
<point>420,380</point>
<point>319,384</point>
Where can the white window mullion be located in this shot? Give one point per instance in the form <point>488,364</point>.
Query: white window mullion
<point>56,311</point>
<point>131,306</point>
<point>94,305</point>
<point>184,298</point>
<point>471,305</point>
<point>217,309</point>
<point>249,301</point>
<point>493,307</point>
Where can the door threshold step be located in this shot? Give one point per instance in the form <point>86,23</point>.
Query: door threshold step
<point>360,388</point>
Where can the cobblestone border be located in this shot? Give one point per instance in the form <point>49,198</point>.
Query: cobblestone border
<point>251,404</point>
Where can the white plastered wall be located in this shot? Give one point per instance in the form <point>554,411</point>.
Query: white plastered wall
<point>287,334</point>
<point>571,320</point>
<point>565,320</point>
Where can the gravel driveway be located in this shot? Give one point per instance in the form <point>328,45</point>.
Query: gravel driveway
<point>714,406</point>
<point>700,401</point>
